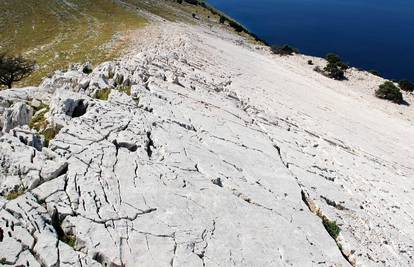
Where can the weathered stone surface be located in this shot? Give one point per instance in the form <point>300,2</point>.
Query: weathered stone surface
<point>224,160</point>
<point>18,114</point>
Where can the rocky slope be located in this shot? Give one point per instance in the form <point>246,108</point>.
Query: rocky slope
<point>208,151</point>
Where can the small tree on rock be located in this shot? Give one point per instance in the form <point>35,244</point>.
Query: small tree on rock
<point>14,69</point>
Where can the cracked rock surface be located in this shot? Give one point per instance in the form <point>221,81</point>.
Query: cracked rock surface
<point>217,154</point>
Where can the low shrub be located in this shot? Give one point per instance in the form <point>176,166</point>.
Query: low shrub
<point>15,194</point>
<point>222,20</point>
<point>374,72</point>
<point>236,26</point>
<point>389,91</point>
<point>70,240</point>
<point>335,68</point>
<point>39,122</point>
<point>331,227</point>
<point>335,60</point>
<point>284,50</point>
<point>333,71</point>
<point>49,134</point>
<point>103,94</point>
<point>310,62</point>
<point>406,85</point>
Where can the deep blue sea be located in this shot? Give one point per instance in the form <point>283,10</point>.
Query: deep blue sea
<point>369,34</point>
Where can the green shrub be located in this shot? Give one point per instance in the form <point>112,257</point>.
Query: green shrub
<point>284,50</point>
<point>406,86</point>
<point>222,19</point>
<point>374,72</point>
<point>333,71</point>
<point>236,26</point>
<point>332,228</point>
<point>332,58</point>
<point>103,94</point>
<point>310,62</point>
<point>335,67</point>
<point>192,2</point>
<point>70,240</point>
<point>15,194</point>
<point>335,60</point>
<point>49,134</point>
<point>389,91</point>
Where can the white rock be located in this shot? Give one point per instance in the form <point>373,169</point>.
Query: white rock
<point>238,172</point>
<point>17,115</point>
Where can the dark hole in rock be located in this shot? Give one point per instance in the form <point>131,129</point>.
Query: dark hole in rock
<point>87,69</point>
<point>1,235</point>
<point>101,259</point>
<point>150,143</point>
<point>80,109</point>
<point>56,223</point>
<point>217,182</point>
<point>130,146</point>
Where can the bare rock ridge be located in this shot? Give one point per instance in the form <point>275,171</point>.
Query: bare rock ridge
<point>201,149</point>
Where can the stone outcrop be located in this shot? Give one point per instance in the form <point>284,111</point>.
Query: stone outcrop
<point>208,151</point>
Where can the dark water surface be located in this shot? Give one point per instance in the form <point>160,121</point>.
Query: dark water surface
<point>370,34</point>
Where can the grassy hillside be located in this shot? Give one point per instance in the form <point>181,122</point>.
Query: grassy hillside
<point>58,32</point>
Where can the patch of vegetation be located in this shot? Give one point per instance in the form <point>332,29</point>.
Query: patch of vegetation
<point>57,33</point>
<point>15,194</point>
<point>40,107</point>
<point>331,227</point>
<point>41,125</point>
<point>389,91</point>
<point>406,85</point>
<point>335,68</point>
<point>3,261</point>
<point>103,94</point>
<point>49,134</point>
<point>310,62</point>
<point>284,50</point>
<point>374,72</point>
<point>222,19</point>
<point>39,121</point>
<point>67,238</point>
<point>125,89</point>
<point>70,240</point>
<point>332,71</point>
<point>14,69</point>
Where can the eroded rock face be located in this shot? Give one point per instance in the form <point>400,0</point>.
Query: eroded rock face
<point>18,114</point>
<point>198,167</point>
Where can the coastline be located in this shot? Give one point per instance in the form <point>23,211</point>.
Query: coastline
<point>200,147</point>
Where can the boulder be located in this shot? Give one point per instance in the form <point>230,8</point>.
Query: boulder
<point>17,115</point>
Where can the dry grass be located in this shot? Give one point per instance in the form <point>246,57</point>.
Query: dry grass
<point>57,33</point>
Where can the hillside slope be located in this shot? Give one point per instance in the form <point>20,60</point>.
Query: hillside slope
<point>58,32</point>
<point>200,148</point>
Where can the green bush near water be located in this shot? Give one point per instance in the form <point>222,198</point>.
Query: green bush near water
<point>284,50</point>
<point>406,85</point>
<point>389,91</point>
